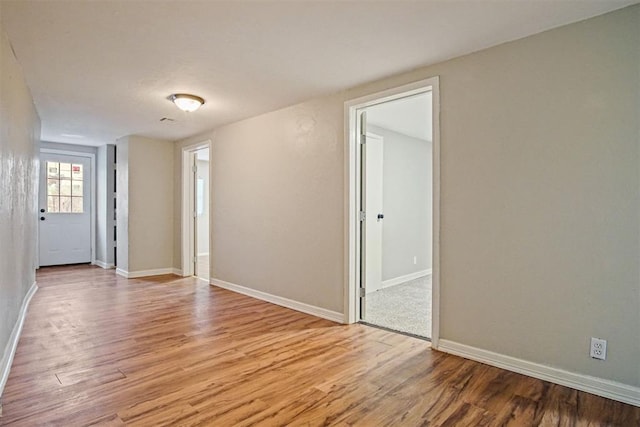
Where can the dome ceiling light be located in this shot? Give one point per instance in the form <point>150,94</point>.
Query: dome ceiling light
<point>186,102</point>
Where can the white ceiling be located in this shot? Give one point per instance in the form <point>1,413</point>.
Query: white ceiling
<point>100,70</point>
<point>409,116</point>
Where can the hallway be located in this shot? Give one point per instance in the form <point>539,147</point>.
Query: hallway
<point>100,349</point>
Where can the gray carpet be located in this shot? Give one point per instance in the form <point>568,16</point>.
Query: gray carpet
<point>405,307</point>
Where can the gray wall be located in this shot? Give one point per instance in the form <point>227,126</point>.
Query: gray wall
<point>407,203</point>
<point>105,221</point>
<point>144,203</point>
<point>19,137</point>
<point>540,209</point>
<point>122,203</point>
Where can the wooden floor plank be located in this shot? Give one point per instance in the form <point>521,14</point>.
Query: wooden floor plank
<point>98,349</point>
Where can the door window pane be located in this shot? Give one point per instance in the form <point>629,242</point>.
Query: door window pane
<point>65,187</point>
<point>65,170</point>
<point>65,204</point>
<point>53,204</point>
<point>52,170</point>
<point>53,187</point>
<point>76,172</point>
<point>76,204</point>
<point>76,188</point>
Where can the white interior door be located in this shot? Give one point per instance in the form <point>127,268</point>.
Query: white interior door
<point>65,209</point>
<point>374,214</point>
<point>371,158</point>
<point>201,223</point>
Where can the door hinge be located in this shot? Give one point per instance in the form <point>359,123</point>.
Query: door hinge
<point>362,292</point>
<point>195,214</point>
<point>362,215</point>
<point>195,259</point>
<point>194,168</point>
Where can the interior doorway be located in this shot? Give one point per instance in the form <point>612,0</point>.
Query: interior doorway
<point>196,211</point>
<point>393,231</point>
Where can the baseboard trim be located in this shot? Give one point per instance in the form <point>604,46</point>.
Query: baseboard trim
<point>104,265</point>
<point>407,277</point>
<point>598,386</point>
<point>144,273</point>
<point>12,345</point>
<point>176,271</point>
<point>334,316</point>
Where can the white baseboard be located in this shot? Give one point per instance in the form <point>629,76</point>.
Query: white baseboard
<point>284,302</point>
<point>407,277</point>
<point>104,265</point>
<point>176,271</point>
<point>145,273</point>
<point>598,386</point>
<point>10,349</point>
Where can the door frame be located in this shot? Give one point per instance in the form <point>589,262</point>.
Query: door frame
<point>92,195</point>
<point>352,195</point>
<point>188,204</point>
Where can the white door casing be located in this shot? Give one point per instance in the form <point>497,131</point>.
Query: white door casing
<point>355,251</point>
<point>189,190</point>
<point>64,218</point>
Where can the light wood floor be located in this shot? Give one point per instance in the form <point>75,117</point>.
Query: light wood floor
<point>97,349</point>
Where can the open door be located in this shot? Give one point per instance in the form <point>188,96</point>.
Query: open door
<point>372,216</point>
<point>201,213</point>
<point>196,203</point>
<point>396,213</point>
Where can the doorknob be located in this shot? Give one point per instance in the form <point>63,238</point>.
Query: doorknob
<point>380,216</point>
<point>42,210</point>
<point>41,218</point>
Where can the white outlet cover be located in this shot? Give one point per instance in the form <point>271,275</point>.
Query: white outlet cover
<point>598,348</point>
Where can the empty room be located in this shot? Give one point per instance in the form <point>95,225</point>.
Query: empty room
<point>368,213</point>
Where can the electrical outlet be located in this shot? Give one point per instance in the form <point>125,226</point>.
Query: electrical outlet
<point>415,260</point>
<point>598,348</point>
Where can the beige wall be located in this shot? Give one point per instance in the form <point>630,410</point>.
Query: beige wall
<point>540,218</point>
<point>19,136</point>
<point>145,204</point>
<point>276,214</point>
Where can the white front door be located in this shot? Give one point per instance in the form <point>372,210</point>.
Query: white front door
<point>65,209</point>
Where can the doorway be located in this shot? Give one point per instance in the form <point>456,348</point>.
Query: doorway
<point>394,228</point>
<point>65,215</point>
<point>196,211</point>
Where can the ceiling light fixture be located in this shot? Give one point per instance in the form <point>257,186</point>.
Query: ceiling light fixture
<point>186,102</point>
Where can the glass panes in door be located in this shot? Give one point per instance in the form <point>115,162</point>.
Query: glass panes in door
<point>64,187</point>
